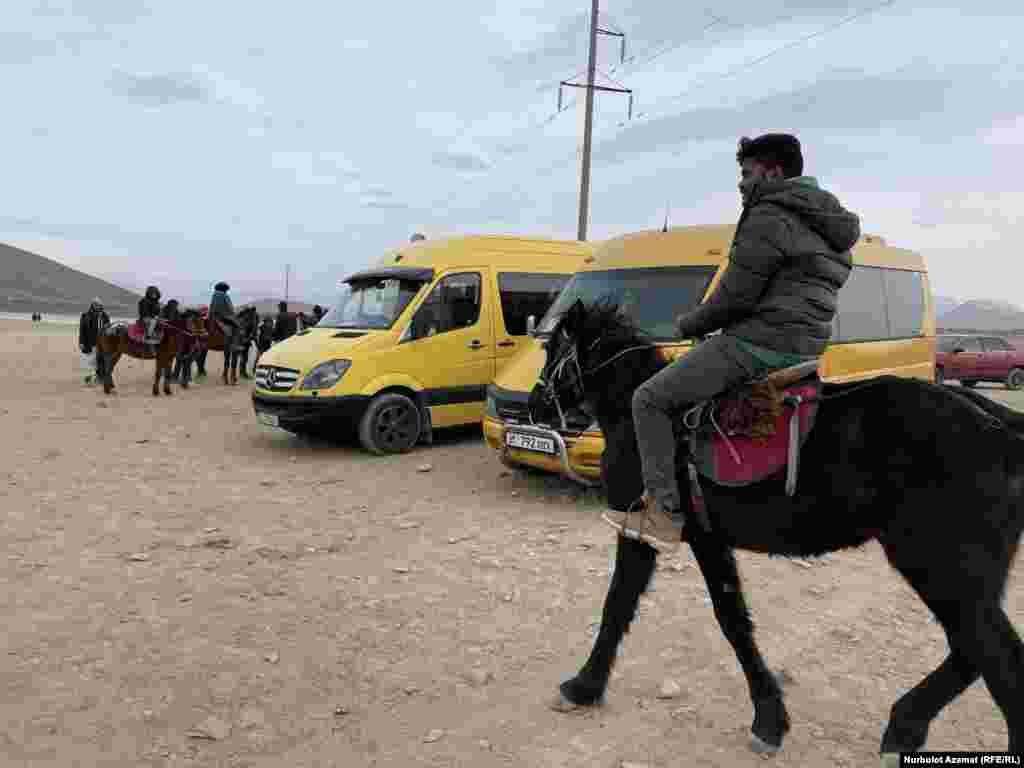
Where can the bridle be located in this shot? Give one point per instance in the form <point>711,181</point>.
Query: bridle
<point>571,359</point>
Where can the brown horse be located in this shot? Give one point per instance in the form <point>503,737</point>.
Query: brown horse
<point>122,339</point>
<point>248,322</point>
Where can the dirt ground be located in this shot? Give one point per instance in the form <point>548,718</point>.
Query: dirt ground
<point>183,587</point>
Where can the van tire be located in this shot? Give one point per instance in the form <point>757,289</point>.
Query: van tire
<point>1015,379</point>
<point>391,424</point>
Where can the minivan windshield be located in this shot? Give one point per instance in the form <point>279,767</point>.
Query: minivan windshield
<point>651,296</point>
<point>372,303</point>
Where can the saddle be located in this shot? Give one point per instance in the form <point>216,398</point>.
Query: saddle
<point>752,431</point>
<point>137,333</point>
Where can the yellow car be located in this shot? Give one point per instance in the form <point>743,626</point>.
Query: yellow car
<point>885,325</point>
<point>412,342</point>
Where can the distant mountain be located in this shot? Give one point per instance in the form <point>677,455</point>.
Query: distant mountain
<point>944,304</point>
<point>983,315</point>
<point>33,283</point>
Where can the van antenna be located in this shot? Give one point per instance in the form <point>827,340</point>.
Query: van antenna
<point>665,226</point>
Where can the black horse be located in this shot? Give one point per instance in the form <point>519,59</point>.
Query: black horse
<point>935,474</point>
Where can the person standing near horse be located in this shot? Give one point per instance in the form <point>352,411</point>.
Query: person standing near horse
<point>149,317</point>
<point>90,325</point>
<point>774,306</point>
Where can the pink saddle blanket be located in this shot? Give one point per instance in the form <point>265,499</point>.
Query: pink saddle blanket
<point>728,451</point>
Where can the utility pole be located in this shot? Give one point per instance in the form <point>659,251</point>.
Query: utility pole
<point>287,275</point>
<point>589,109</point>
<point>588,126</point>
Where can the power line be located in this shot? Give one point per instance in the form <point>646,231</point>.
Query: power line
<point>750,64</point>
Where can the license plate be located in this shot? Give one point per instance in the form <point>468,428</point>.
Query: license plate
<point>270,419</point>
<point>530,442</point>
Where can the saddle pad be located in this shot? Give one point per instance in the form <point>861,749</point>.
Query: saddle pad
<point>136,332</point>
<point>758,457</point>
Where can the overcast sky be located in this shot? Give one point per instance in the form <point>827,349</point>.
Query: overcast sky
<point>184,142</point>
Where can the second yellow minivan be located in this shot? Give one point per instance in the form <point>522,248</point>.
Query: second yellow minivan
<point>885,324</point>
<point>412,342</point>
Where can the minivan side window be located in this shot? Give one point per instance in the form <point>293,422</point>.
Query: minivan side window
<point>527,293</point>
<point>904,295</point>
<point>454,303</point>
<point>861,315</point>
<point>877,303</point>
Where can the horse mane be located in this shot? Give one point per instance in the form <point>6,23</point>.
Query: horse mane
<point>605,320</point>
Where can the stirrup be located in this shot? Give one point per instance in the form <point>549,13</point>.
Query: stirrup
<point>640,503</point>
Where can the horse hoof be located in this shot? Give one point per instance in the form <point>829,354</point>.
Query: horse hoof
<point>561,704</point>
<point>762,747</point>
<point>890,760</point>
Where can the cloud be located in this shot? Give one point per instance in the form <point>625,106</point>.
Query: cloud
<point>1006,133</point>
<point>98,12</point>
<point>159,90</point>
<point>460,161</point>
<point>854,103</point>
<point>396,205</point>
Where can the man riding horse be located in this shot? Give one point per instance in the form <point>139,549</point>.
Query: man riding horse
<point>774,305</point>
<point>149,318</point>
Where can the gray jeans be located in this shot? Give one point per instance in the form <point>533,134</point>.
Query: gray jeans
<point>705,371</point>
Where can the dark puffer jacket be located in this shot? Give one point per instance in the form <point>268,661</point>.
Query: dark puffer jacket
<point>789,258</point>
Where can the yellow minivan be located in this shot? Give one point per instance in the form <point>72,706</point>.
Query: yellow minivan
<point>412,342</point>
<point>885,325</point>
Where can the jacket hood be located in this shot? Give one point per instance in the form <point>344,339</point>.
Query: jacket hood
<point>818,208</point>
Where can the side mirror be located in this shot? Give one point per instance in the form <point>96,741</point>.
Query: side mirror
<point>531,325</point>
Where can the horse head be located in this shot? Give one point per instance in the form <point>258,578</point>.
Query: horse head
<point>586,354</point>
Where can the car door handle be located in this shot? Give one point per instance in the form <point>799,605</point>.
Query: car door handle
<point>475,344</point>
<point>506,343</point>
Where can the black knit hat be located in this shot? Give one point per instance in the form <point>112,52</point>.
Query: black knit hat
<point>222,287</point>
<point>782,149</point>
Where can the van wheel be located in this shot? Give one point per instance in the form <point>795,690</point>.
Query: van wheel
<point>940,376</point>
<point>391,424</point>
<point>1015,379</point>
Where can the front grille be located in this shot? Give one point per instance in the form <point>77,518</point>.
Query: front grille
<point>274,379</point>
<point>513,412</point>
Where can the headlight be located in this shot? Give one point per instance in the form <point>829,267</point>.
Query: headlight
<point>326,375</point>
<point>491,409</point>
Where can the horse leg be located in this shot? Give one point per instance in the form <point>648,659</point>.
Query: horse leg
<point>156,377</point>
<point>718,566</point>
<point>108,370</point>
<point>634,565</point>
<point>982,642</point>
<point>243,359</point>
<point>167,379</point>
